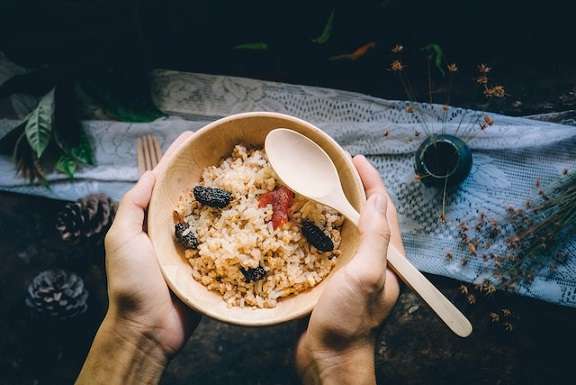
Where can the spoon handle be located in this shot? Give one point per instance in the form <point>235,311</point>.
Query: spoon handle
<point>447,312</point>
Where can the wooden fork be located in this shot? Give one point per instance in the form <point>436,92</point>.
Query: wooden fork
<point>149,153</point>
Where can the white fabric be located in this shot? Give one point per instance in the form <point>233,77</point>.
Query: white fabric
<point>508,157</point>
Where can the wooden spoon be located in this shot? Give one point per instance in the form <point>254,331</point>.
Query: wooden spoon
<point>306,168</point>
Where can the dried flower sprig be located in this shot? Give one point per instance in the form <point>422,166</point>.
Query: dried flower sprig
<point>498,313</point>
<point>541,231</point>
<point>472,124</point>
<point>528,240</point>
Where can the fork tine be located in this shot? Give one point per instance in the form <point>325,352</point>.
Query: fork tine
<point>140,155</point>
<point>149,153</point>
<point>157,150</point>
<point>153,157</point>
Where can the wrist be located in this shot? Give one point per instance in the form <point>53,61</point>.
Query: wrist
<point>318,364</point>
<point>141,337</point>
<point>123,354</point>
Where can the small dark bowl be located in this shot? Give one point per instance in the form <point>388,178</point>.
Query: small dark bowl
<point>443,160</point>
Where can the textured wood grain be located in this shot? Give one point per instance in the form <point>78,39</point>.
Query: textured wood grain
<point>205,148</point>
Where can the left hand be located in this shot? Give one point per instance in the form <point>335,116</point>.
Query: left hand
<point>139,297</point>
<point>145,324</point>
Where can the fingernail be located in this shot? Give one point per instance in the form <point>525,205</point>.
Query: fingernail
<point>379,202</point>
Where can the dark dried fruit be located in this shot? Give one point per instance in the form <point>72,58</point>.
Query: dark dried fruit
<point>316,237</point>
<point>185,236</point>
<point>253,274</point>
<point>211,196</point>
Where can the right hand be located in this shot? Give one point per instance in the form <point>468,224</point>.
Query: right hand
<point>338,346</point>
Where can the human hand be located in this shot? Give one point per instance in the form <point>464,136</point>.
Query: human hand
<point>145,324</point>
<point>139,296</point>
<point>338,346</point>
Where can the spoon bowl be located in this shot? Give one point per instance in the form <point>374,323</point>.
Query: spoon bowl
<point>316,177</point>
<point>307,169</point>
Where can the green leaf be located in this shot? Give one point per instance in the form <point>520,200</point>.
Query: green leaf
<point>257,46</point>
<point>66,165</point>
<point>39,124</point>
<point>327,31</point>
<point>83,151</point>
<point>436,55</point>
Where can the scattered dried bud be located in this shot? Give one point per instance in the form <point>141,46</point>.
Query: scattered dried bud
<point>471,299</point>
<point>397,66</point>
<point>409,109</point>
<point>386,133</point>
<point>484,69</point>
<point>463,289</point>
<point>494,317</point>
<point>449,256</point>
<point>488,120</point>
<point>397,48</point>
<point>472,248</point>
<point>496,91</point>
<point>482,79</point>
<point>452,67</point>
<point>489,289</point>
<point>506,312</point>
<point>508,326</point>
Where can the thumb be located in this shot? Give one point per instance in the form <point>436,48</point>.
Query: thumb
<point>374,231</point>
<point>130,215</point>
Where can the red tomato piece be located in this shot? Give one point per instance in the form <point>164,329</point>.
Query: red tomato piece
<point>266,199</point>
<point>281,200</point>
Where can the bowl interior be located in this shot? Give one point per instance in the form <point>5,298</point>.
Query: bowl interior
<point>205,148</point>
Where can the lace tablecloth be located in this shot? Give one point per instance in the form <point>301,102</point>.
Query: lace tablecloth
<point>508,157</point>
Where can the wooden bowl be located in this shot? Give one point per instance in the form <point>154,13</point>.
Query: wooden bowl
<point>205,148</point>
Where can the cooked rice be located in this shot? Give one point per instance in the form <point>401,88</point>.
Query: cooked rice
<point>241,235</point>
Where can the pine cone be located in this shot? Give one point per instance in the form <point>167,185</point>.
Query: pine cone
<point>57,294</point>
<point>87,219</point>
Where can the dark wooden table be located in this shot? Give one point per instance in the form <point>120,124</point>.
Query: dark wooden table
<point>530,58</point>
<point>414,347</point>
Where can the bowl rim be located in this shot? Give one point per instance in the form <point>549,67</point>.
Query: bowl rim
<point>305,310</point>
